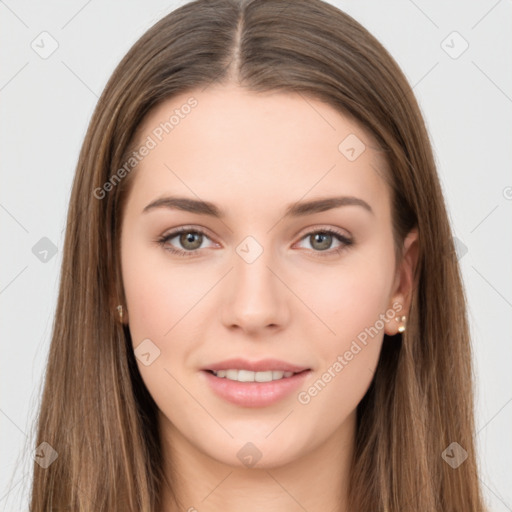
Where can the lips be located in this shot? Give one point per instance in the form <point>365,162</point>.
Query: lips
<point>253,394</point>
<point>259,392</point>
<point>256,366</point>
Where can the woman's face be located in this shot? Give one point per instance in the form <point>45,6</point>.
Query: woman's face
<point>257,275</point>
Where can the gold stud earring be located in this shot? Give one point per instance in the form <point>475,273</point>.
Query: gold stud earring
<point>401,319</point>
<point>120,311</point>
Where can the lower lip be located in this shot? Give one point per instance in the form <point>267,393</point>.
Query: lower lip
<point>254,394</point>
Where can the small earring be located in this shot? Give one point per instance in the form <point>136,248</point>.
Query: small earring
<point>120,311</point>
<point>401,319</point>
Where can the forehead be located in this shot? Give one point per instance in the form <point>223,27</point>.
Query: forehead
<point>228,144</point>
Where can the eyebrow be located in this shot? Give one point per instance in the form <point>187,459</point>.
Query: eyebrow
<point>298,209</point>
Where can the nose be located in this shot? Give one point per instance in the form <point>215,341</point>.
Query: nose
<point>255,298</point>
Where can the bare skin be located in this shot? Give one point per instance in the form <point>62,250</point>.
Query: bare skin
<point>300,300</point>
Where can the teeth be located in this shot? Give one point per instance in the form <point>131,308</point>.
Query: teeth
<point>248,376</point>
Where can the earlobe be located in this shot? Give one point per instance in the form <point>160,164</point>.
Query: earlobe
<point>122,314</point>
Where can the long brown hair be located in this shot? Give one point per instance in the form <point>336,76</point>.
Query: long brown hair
<point>96,412</point>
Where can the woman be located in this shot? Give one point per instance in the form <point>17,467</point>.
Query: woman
<point>260,304</point>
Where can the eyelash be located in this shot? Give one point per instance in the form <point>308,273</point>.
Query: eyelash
<point>347,242</point>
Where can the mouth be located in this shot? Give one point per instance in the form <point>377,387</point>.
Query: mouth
<point>252,376</point>
<point>259,387</point>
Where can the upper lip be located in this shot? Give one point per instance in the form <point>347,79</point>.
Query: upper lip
<point>256,366</point>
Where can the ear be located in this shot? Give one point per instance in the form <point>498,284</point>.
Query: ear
<point>116,297</point>
<point>405,282</point>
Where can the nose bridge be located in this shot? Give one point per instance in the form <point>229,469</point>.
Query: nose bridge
<point>255,299</point>
<point>252,261</point>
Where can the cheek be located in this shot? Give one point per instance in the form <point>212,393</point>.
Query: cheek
<point>348,358</point>
<point>158,297</point>
<point>350,298</point>
<point>158,294</point>
<point>352,301</point>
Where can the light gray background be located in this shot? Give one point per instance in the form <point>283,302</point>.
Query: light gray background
<point>46,105</point>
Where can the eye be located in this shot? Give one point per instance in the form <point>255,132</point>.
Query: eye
<point>190,239</point>
<point>321,241</point>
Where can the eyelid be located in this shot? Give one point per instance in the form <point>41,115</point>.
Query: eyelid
<point>315,228</point>
<point>186,228</point>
